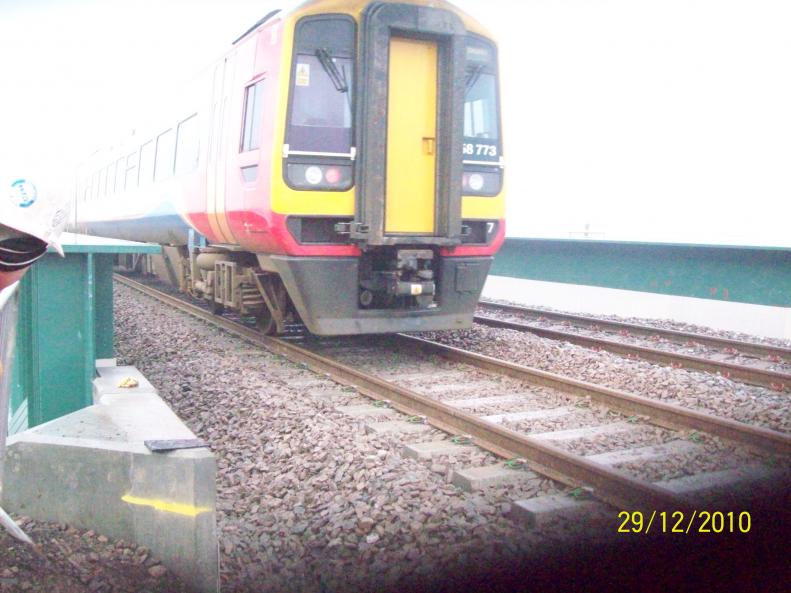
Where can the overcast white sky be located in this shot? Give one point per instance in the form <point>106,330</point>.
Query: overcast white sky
<point>633,119</point>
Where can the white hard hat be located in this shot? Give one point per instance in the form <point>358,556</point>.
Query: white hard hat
<point>32,210</point>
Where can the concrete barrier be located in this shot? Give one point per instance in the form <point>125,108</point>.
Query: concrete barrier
<point>91,469</point>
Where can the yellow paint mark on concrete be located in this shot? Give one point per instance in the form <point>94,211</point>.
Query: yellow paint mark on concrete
<point>176,508</point>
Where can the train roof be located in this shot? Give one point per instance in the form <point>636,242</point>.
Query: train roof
<point>298,8</point>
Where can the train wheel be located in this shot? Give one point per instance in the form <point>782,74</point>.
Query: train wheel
<point>265,322</point>
<point>215,307</point>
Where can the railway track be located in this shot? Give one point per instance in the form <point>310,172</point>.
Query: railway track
<point>545,453</point>
<point>754,365</point>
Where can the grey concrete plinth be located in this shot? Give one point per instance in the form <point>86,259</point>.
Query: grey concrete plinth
<point>90,469</point>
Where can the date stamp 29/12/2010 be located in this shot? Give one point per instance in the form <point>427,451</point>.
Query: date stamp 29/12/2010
<point>639,522</point>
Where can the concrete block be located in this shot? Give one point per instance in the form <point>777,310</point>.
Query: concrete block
<point>645,453</point>
<point>106,362</point>
<point>728,479</point>
<point>416,375</point>
<point>477,478</point>
<point>530,415</point>
<point>365,410</point>
<point>91,470</point>
<point>434,387</point>
<point>433,448</point>
<point>542,510</point>
<point>309,382</point>
<point>121,417</point>
<point>328,393</point>
<point>582,433</point>
<point>480,402</point>
<point>395,426</point>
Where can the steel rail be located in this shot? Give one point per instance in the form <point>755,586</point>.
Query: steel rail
<point>611,485</point>
<point>646,330</point>
<point>774,380</point>
<point>663,413</point>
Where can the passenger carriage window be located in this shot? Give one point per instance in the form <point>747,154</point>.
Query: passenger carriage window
<point>320,117</point>
<point>187,145</point>
<point>166,151</point>
<point>130,179</point>
<point>253,108</point>
<point>146,171</point>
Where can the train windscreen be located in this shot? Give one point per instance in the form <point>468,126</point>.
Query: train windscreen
<point>320,118</point>
<point>482,147</point>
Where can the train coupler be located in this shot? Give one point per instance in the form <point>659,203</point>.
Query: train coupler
<point>404,281</point>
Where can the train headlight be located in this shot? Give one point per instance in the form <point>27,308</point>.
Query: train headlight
<point>476,182</point>
<point>313,175</point>
<point>330,177</point>
<point>481,183</point>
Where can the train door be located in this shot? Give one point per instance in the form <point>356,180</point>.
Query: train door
<point>411,112</point>
<point>215,170</point>
<point>410,193</point>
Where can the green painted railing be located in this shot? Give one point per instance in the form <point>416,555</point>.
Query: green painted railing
<point>756,275</point>
<point>65,323</point>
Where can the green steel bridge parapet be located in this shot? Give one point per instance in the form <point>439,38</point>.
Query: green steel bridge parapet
<point>732,273</point>
<point>65,323</point>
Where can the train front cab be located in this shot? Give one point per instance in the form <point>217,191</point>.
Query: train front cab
<point>423,163</point>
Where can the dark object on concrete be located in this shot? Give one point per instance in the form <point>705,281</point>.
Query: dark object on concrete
<point>161,446</point>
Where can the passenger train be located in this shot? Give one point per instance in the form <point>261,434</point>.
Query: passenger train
<point>339,167</point>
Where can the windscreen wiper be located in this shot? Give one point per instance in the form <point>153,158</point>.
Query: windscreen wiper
<point>473,74</point>
<point>337,77</point>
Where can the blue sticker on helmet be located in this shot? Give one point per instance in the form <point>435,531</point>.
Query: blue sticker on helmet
<point>23,193</point>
